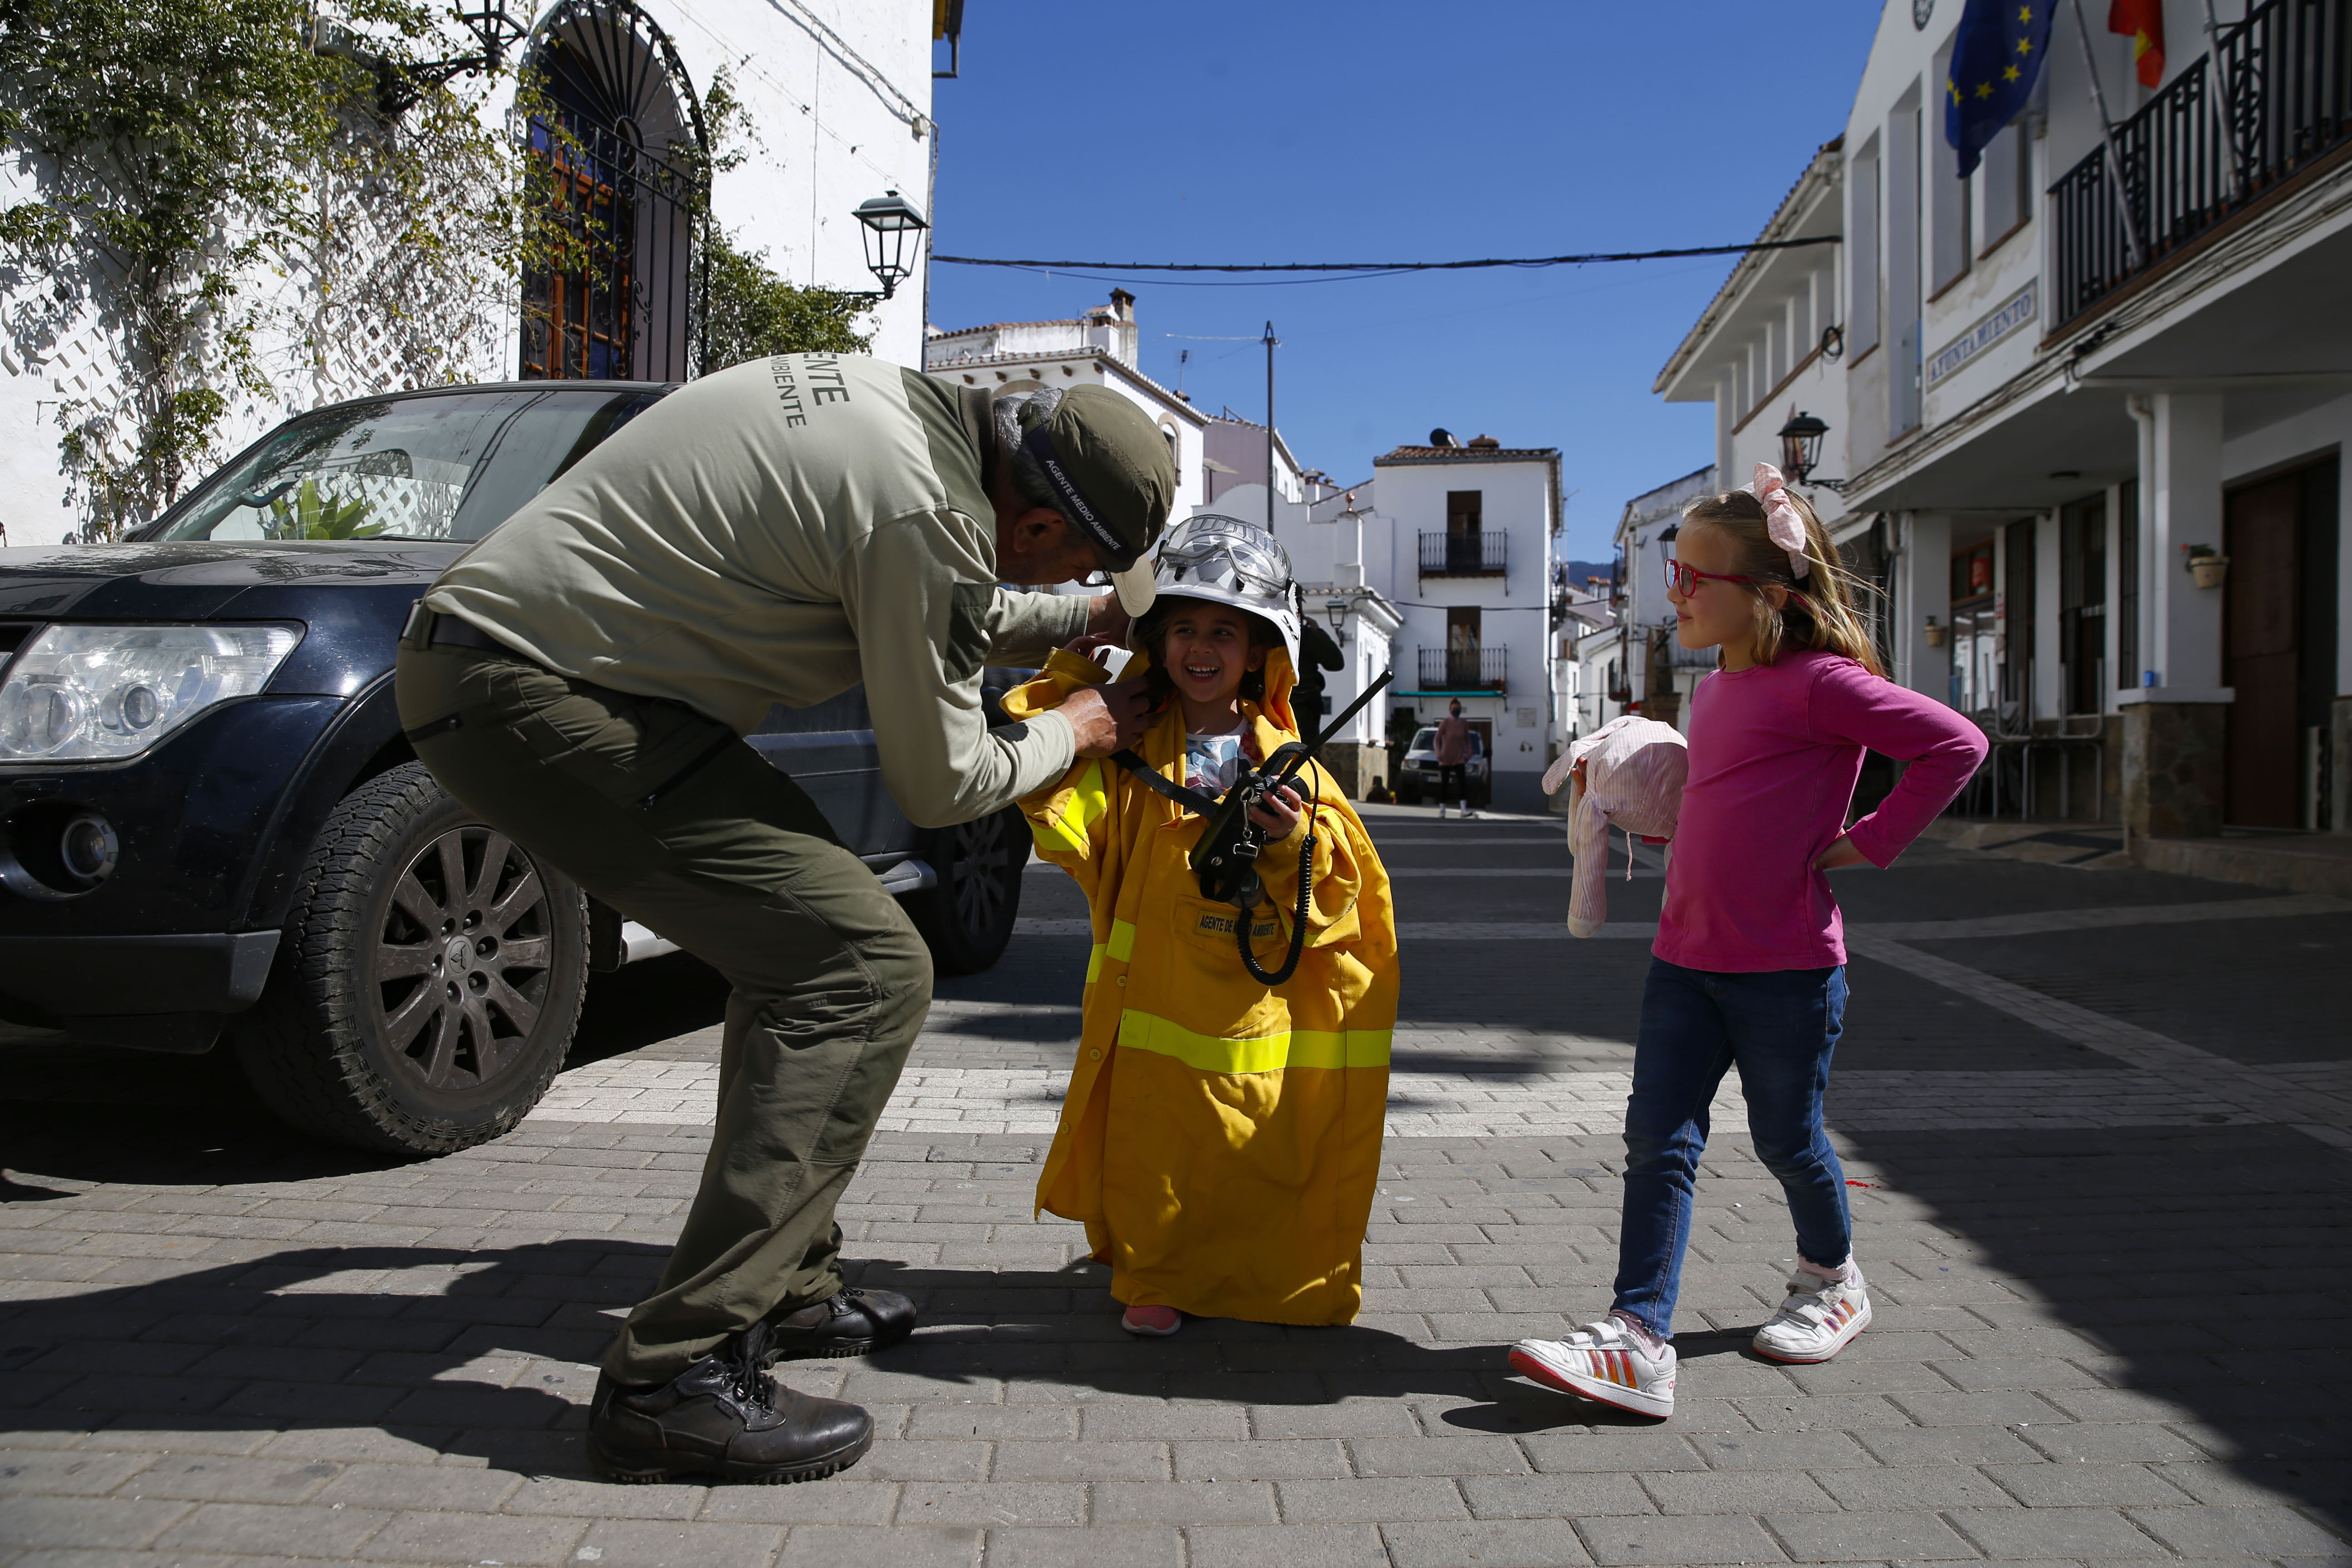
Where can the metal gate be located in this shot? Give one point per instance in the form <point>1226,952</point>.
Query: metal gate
<point>618,141</point>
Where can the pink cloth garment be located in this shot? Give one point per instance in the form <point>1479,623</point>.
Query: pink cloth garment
<point>1627,775</point>
<point>1452,741</point>
<point>1774,753</point>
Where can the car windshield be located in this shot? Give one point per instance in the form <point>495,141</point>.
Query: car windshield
<point>438,466</point>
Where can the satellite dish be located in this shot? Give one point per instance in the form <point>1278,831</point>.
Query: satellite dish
<point>1441,437</point>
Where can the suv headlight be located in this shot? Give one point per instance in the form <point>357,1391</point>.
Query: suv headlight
<point>88,694</point>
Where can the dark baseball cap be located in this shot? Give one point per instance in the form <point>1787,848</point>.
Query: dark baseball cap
<point>1110,469</point>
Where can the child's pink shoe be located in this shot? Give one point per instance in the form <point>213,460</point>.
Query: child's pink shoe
<point>1157,1321</point>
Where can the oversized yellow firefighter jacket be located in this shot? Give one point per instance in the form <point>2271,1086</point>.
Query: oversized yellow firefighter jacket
<point>1220,1142</point>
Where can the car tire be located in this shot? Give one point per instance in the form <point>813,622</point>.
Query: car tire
<point>429,980</point>
<point>967,916</point>
<point>1408,793</point>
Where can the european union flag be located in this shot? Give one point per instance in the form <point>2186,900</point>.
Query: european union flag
<point>1995,55</point>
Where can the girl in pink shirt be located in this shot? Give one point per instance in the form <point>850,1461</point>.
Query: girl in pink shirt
<point>1748,970</point>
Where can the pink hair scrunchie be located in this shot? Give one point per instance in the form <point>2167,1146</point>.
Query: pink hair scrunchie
<point>1781,520</point>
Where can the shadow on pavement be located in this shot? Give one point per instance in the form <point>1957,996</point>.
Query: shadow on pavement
<point>2211,1266</point>
<point>477,1352</point>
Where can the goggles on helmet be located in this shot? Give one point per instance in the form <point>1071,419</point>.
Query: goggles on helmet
<point>1222,553</point>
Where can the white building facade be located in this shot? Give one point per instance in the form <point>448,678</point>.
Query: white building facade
<point>1644,669</point>
<point>2056,386</point>
<point>837,96</point>
<point>1471,532</point>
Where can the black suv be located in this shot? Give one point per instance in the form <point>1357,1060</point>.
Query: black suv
<point>210,824</point>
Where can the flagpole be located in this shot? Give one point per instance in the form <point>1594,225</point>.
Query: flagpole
<point>2107,133</point>
<point>2222,99</point>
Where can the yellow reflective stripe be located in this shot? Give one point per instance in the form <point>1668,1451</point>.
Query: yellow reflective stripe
<point>1122,940</point>
<point>1068,827</point>
<point>1294,1048</point>
<point>1093,963</point>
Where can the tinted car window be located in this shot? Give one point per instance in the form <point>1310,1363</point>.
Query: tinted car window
<point>448,465</point>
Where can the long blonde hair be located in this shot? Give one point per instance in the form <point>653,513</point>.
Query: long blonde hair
<point>1821,612</point>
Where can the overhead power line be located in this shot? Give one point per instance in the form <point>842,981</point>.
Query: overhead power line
<point>1345,266</point>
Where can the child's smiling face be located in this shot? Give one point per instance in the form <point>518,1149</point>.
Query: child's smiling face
<point>1206,651</point>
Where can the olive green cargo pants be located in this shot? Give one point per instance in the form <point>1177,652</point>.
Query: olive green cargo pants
<point>667,817</point>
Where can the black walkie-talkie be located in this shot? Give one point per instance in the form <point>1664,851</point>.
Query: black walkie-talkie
<point>1224,858</point>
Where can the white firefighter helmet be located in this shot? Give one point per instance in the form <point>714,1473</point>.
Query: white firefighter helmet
<point>1229,562</point>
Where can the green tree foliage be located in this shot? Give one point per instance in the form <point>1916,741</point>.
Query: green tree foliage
<point>213,176</point>
<point>749,311</point>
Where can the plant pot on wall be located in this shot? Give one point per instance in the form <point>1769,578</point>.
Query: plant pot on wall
<point>2208,570</point>
<point>1935,634</point>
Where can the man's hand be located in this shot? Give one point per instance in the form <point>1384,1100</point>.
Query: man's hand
<point>1841,854</point>
<point>1107,718</point>
<point>1277,812</point>
<point>1106,620</point>
<point>1091,647</point>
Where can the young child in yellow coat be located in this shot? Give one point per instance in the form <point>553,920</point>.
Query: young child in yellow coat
<point>1220,1138</point>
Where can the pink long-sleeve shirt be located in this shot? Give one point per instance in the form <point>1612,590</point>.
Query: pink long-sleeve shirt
<point>1774,753</point>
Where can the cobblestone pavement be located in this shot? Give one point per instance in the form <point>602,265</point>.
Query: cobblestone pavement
<point>2097,1122</point>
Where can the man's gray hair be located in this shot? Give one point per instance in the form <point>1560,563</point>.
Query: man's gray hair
<point>1028,479</point>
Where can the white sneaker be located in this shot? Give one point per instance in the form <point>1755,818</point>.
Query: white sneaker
<point>1441,811</point>
<point>1602,1361</point>
<point>1816,1321</point>
<point>1468,815</point>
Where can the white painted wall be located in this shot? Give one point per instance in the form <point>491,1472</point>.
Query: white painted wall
<point>839,95</point>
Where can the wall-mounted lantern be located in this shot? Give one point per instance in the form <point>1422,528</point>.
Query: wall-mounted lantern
<point>1800,449</point>
<point>892,226</point>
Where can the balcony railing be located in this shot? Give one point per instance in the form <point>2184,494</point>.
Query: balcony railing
<point>1464,669</point>
<point>1464,554</point>
<point>2195,156</point>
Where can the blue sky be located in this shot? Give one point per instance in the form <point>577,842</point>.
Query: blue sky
<point>1382,131</point>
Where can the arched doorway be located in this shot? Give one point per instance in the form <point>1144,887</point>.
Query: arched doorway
<point>617,139</point>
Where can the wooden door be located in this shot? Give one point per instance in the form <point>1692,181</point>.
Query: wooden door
<point>2262,641</point>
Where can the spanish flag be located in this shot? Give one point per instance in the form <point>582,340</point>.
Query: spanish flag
<point>2142,21</point>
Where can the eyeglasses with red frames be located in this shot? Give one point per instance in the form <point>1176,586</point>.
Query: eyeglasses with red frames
<point>1682,579</point>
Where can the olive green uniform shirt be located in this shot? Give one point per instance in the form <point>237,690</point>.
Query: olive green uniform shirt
<point>778,532</point>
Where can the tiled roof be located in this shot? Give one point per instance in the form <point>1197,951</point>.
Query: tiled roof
<point>1101,357</point>
<point>938,332</point>
<point>1466,455</point>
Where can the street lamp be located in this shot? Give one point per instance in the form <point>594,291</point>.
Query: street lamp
<point>891,223</point>
<point>1800,449</point>
<point>1336,611</point>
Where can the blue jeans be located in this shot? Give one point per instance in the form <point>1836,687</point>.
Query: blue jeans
<point>1779,1028</point>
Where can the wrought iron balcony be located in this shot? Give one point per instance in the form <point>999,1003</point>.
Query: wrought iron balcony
<point>1452,554</point>
<point>2225,132</point>
<point>1464,669</point>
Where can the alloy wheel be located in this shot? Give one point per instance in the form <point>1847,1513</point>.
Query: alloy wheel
<point>461,964</point>
<point>979,861</point>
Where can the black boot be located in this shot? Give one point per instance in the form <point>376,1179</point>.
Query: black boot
<point>723,1416</point>
<point>857,1321</point>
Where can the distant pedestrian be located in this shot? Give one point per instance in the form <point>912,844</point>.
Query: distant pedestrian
<point>1749,966</point>
<point>1454,758</point>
